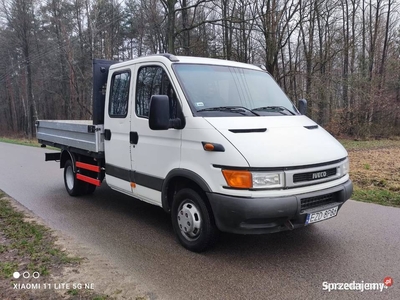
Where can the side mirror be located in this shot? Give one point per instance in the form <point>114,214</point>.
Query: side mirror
<point>159,114</point>
<point>303,106</point>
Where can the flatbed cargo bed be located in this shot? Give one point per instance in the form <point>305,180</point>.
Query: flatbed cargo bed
<point>77,134</point>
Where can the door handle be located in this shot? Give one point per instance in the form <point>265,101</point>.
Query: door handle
<point>133,137</point>
<point>107,134</point>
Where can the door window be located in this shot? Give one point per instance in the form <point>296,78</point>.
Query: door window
<point>119,94</point>
<point>153,80</point>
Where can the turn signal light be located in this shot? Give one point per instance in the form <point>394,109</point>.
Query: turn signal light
<point>238,178</point>
<point>208,147</point>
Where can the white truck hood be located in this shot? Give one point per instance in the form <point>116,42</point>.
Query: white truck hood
<point>285,142</point>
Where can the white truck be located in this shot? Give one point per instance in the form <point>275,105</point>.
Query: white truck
<point>215,143</point>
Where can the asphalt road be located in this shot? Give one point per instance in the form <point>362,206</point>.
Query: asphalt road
<point>361,244</point>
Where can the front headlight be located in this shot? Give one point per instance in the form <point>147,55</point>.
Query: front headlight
<point>345,167</point>
<point>267,180</point>
<point>243,179</point>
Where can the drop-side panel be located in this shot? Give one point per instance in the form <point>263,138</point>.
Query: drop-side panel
<point>72,133</point>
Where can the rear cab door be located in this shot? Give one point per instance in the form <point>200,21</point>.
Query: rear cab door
<point>117,117</point>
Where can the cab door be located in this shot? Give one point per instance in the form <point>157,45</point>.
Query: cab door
<point>154,152</point>
<point>116,129</point>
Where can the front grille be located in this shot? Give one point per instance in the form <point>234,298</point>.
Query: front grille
<point>312,202</point>
<point>310,176</point>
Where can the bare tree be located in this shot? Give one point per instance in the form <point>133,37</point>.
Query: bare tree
<point>20,17</point>
<point>340,55</point>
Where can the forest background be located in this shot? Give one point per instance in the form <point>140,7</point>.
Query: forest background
<point>342,56</point>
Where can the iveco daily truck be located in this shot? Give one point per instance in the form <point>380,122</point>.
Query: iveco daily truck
<point>215,143</point>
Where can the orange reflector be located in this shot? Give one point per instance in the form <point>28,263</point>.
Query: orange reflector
<point>238,178</point>
<point>88,167</point>
<point>133,185</point>
<point>88,179</point>
<point>208,147</point>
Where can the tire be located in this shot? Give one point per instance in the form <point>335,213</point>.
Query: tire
<point>89,188</point>
<point>193,221</point>
<point>73,186</point>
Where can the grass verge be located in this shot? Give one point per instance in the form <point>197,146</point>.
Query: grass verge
<point>378,196</point>
<point>370,145</point>
<point>32,244</point>
<point>25,142</point>
<point>26,246</point>
<point>20,141</point>
<point>375,171</point>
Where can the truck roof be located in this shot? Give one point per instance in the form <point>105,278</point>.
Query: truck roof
<point>172,59</point>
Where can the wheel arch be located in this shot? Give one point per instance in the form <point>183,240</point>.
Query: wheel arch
<point>65,156</point>
<point>178,179</point>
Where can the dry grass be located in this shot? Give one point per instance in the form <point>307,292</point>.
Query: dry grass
<point>376,168</point>
<point>375,172</point>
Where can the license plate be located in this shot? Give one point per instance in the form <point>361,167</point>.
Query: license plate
<point>322,215</point>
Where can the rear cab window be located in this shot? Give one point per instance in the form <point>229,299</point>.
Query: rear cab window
<point>119,94</point>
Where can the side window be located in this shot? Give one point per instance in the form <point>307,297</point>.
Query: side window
<point>119,94</point>
<point>151,81</point>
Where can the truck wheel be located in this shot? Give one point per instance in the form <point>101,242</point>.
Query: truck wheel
<point>73,186</point>
<point>192,221</point>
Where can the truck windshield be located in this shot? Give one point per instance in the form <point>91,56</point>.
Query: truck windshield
<point>227,91</point>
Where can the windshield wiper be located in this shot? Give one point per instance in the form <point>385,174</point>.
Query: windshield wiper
<point>237,109</point>
<point>277,108</point>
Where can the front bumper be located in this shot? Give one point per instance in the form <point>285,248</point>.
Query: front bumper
<point>267,215</point>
